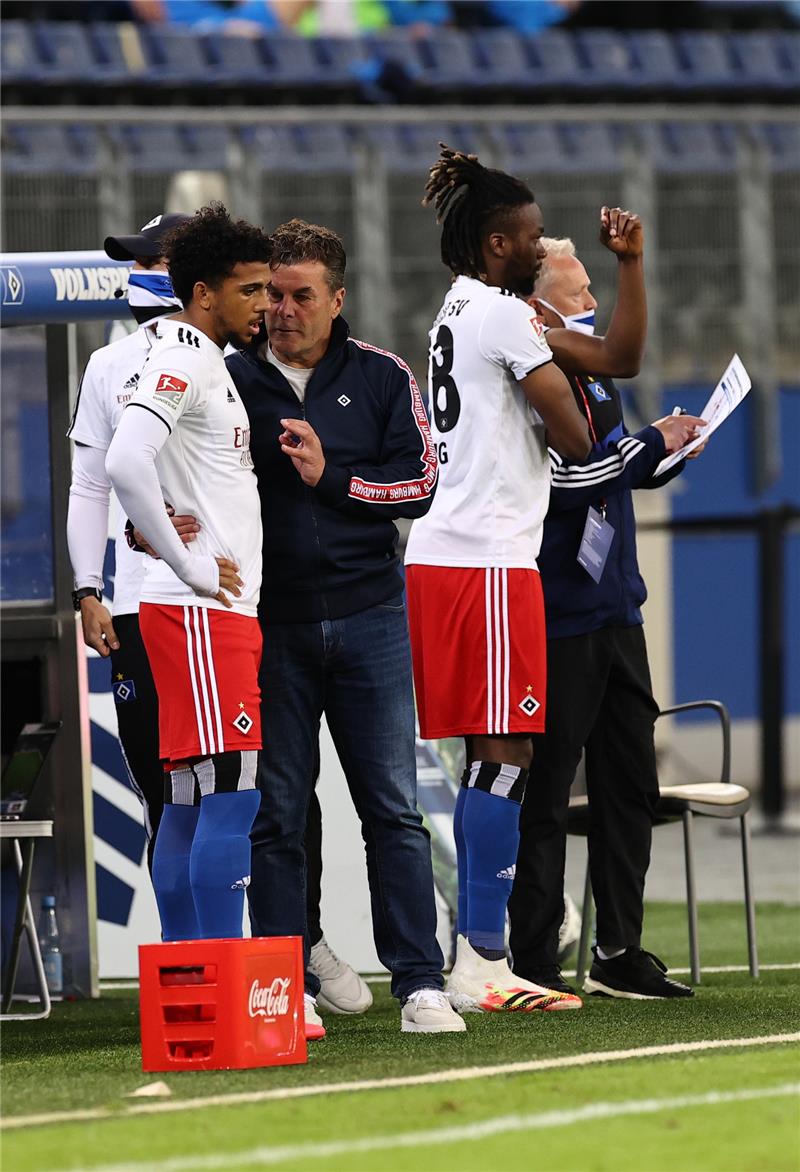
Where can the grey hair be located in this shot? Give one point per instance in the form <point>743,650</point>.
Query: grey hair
<point>555,248</point>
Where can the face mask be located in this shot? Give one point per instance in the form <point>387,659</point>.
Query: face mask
<point>583,323</point>
<point>151,295</point>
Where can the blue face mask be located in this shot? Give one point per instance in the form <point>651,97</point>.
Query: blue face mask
<point>583,323</point>
<point>150,295</point>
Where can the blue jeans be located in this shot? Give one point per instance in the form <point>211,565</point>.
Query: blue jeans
<point>357,670</point>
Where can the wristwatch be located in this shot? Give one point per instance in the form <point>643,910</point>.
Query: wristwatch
<point>86,592</point>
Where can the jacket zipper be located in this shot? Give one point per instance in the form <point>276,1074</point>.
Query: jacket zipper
<point>310,494</point>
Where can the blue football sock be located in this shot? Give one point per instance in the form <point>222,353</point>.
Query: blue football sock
<point>220,862</point>
<point>171,872</point>
<point>461,859</point>
<point>491,834</point>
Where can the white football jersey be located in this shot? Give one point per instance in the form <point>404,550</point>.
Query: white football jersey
<point>494,470</point>
<point>205,468</point>
<point>109,381</point>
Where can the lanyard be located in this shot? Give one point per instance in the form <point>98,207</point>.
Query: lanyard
<point>588,412</point>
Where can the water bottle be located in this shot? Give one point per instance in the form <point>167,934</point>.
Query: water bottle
<point>49,942</point>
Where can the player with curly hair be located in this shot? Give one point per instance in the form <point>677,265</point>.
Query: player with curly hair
<point>184,439</point>
<point>475,601</point>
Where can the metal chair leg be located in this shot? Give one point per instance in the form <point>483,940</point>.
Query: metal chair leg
<point>587,921</point>
<point>691,897</point>
<point>749,906</point>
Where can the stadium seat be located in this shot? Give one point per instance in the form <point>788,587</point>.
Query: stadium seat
<point>50,150</point>
<point>656,59</point>
<point>342,60</point>
<point>607,59</point>
<point>555,60</point>
<point>292,62</point>
<point>689,146</point>
<point>531,147</point>
<point>19,55</point>
<point>505,60</point>
<point>208,146</point>
<point>450,61</point>
<point>761,58</point>
<point>411,148</point>
<point>175,56</point>
<point>158,148</point>
<point>680,803</point>
<point>67,54</point>
<point>112,66</point>
<point>708,62</point>
<point>782,142</point>
<point>236,60</point>
<point>302,148</point>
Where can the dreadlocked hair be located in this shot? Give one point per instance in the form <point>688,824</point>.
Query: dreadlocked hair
<point>469,198</point>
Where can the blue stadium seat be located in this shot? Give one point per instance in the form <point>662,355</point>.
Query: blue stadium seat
<point>175,55</point>
<point>155,149</point>
<point>790,52</point>
<point>782,142</point>
<point>532,148</point>
<point>555,60</point>
<point>207,146</point>
<point>111,65</point>
<point>592,146</point>
<point>394,47</point>
<point>50,150</point>
<point>292,62</point>
<point>689,146</point>
<point>67,53</point>
<point>411,148</point>
<point>342,59</point>
<point>708,62</point>
<point>302,148</point>
<point>19,55</point>
<point>607,59</point>
<point>236,60</point>
<point>656,59</point>
<point>759,60</point>
<point>450,60</point>
<point>505,58</point>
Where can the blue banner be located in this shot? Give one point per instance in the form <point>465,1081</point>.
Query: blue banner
<point>40,288</point>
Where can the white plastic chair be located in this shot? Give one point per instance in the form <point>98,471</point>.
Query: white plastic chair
<point>680,803</point>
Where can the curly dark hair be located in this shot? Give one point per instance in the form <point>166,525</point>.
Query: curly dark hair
<point>209,246</point>
<point>470,200</point>
<point>297,241</point>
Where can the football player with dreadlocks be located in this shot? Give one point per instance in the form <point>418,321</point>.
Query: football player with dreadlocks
<point>497,400</point>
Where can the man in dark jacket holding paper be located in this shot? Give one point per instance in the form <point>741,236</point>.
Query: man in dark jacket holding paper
<point>599,695</point>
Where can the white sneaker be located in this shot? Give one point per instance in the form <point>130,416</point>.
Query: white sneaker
<point>477,985</point>
<point>341,988</point>
<point>314,1027</point>
<point>570,931</point>
<point>428,1011</point>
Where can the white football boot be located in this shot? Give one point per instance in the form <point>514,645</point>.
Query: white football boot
<point>477,985</point>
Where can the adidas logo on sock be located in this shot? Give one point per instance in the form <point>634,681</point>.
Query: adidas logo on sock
<point>508,872</point>
<point>241,884</point>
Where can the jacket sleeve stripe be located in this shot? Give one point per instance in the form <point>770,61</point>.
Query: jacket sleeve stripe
<point>386,493</point>
<point>580,476</point>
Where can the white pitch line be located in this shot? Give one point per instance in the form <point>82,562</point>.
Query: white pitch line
<point>502,1125</point>
<point>384,978</point>
<point>434,1077</point>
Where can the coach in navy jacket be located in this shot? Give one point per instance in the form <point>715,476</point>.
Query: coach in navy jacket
<point>599,694</point>
<point>341,448</point>
<point>331,550</point>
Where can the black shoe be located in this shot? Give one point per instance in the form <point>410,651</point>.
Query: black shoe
<point>549,976</point>
<point>635,974</point>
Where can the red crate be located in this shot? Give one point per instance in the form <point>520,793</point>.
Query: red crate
<point>222,1004</point>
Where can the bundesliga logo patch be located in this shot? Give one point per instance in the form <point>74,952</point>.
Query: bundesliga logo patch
<point>170,388</point>
<point>538,327</point>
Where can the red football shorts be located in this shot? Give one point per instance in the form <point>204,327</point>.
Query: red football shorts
<point>480,651</point>
<point>205,666</point>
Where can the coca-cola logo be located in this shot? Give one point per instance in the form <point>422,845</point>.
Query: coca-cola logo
<point>269,1001</point>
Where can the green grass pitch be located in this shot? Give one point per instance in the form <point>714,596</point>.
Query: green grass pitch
<point>731,1109</point>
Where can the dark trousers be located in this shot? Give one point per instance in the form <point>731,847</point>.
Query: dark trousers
<point>137,722</point>
<point>357,670</point>
<point>312,844</point>
<point>599,697</point>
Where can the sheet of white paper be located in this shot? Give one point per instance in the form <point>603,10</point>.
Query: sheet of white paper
<point>725,398</point>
